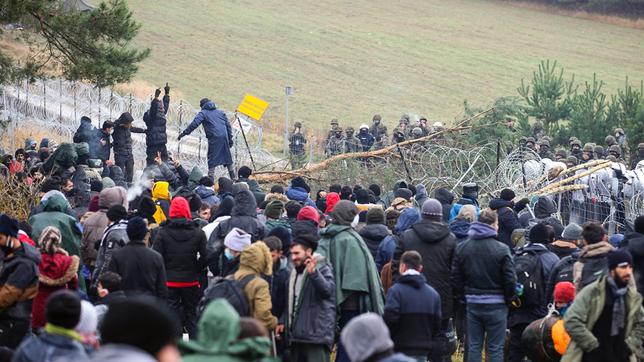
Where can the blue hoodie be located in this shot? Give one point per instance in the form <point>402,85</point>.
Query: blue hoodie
<point>299,194</point>
<point>387,247</point>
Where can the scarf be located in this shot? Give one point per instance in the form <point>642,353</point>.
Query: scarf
<point>69,333</point>
<point>619,307</point>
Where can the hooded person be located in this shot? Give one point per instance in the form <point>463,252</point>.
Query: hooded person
<point>332,198</point>
<point>358,288</point>
<point>56,214</point>
<point>218,338</point>
<point>222,213</point>
<point>161,198</point>
<point>508,220</point>
<point>375,230</point>
<point>408,217</point>
<point>421,195</point>
<point>206,191</point>
<point>219,135</point>
<point>156,138</point>
<point>224,187</point>
<point>57,270</point>
<point>299,191</point>
<point>95,225</point>
<point>389,197</point>
<point>254,261</point>
<point>367,339</point>
<point>182,244</point>
<point>85,132</point>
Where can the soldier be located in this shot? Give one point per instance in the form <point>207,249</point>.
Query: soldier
<point>333,130</point>
<point>297,141</point>
<point>599,152</point>
<point>571,161</point>
<point>379,132</point>
<point>529,143</point>
<point>622,141</point>
<point>522,141</point>
<point>587,153</point>
<point>639,156</point>
<point>610,140</point>
<point>366,138</point>
<point>575,148</point>
<point>561,155</point>
<point>351,142</point>
<point>400,132</point>
<point>616,152</point>
<point>422,124</point>
<point>334,143</point>
<point>544,149</point>
<point>537,130</point>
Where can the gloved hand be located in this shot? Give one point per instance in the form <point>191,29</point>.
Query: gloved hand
<point>167,89</point>
<point>157,93</point>
<point>181,135</point>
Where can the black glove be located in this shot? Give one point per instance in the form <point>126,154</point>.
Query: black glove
<point>167,89</point>
<point>181,135</point>
<point>157,93</point>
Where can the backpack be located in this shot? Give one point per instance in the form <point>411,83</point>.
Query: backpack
<point>530,274</point>
<point>566,269</point>
<point>592,270</point>
<point>230,290</point>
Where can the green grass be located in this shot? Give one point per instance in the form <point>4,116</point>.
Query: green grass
<point>352,59</point>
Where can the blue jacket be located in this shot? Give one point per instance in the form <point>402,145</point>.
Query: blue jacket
<point>49,348</point>
<point>207,195</point>
<point>464,200</point>
<point>300,195</point>
<point>220,136</point>
<point>387,247</point>
<point>413,315</point>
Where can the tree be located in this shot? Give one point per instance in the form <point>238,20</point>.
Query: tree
<point>628,105</point>
<point>92,45</point>
<point>588,113</point>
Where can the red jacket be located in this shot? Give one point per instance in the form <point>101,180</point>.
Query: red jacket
<point>58,271</point>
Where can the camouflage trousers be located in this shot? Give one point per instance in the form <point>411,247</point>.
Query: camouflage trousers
<point>297,160</point>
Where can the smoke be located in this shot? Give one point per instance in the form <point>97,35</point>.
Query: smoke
<point>144,182</point>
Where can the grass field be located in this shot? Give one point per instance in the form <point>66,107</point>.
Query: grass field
<point>352,59</point>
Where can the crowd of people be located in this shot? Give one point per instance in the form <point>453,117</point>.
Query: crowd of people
<point>180,265</point>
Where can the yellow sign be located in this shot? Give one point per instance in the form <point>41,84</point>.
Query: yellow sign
<point>252,107</point>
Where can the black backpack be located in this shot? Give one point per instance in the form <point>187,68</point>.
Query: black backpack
<point>530,274</point>
<point>230,290</point>
<point>565,273</point>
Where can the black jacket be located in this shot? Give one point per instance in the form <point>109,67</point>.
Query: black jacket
<point>436,244</point>
<point>179,241</point>
<point>19,283</point>
<point>155,122</point>
<point>508,220</point>
<point>373,234</point>
<point>85,132</point>
<point>413,315</point>
<point>446,199</point>
<point>141,270</point>
<point>278,286</point>
<point>122,140</point>
<point>634,243</point>
<point>102,152</point>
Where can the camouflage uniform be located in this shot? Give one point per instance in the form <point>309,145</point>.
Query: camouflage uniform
<point>332,131</point>
<point>575,148</point>
<point>599,152</point>
<point>297,141</point>
<point>561,155</point>
<point>379,132</point>
<point>544,149</point>
<point>351,142</point>
<point>616,152</point>
<point>622,141</point>
<point>335,143</point>
<point>639,156</point>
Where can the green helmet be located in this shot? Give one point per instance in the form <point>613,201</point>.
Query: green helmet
<point>334,121</point>
<point>572,160</point>
<point>615,149</point>
<point>571,139</point>
<point>599,151</point>
<point>561,154</point>
<point>530,140</point>
<point>349,130</point>
<point>377,117</point>
<point>417,131</point>
<point>619,130</point>
<point>544,142</point>
<point>610,140</point>
<point>297,124</point>
<point>575,142</point>
<point>640,146</point>
<point>588,147</point>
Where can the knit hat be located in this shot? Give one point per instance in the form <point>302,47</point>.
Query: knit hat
<point>8,226</point>
<point>136,228</point>
<point>307,241</point>
<point>432,208</point>
<point>403,193</point>
<point>376,215</point>
<point>107,183</point>
<point>274,209</point>
<point>244,172</point>
<point>88,319</point>
<point>309,213</point>
<point>375,189</point>
<point>616,239</point>
<point>344,212</point>
<point>292,208</point>
<point>619,257</point>
<point>63,309</point>
<point>206,181</point>
<point>507,195</point>
<point>301,183</point>
<point>277,189</point>
<point>50,239</point>
<point>332,199</point>
<point>362,196</point>
<point>564,292</point>
<point>194,202</point>
<point>139,322</point>
<point>116,213</point>
<point>365,336</point>
<point>96,185</point>
<point>572,232</point>
<point>539,234</point>
<point>237,239</point>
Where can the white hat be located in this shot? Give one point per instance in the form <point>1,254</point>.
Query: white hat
<point>237,240</point>
<point>364,126</point>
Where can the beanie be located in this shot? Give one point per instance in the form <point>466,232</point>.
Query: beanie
<point>403,193</point>
<point>572,232</point>
<point>507,195</point>
<point>179,208</point>
<point>432,209</point>
<point>96,185</point>
<point>88,322</point>
<point>136,228</point>
<point>194,203</point>
<point>309,213</point>
<point>365,336</point>
<point>244,172</point>
<point>63,309</point>
<point>344,212</point>
<point>376,215</point>
<point>8,226</point>
<point>116,213</point>
<point>564,292</point>
<point>539,234</point>
<point>375,189</point>
<point>106,183</point>
<point>362,196</point>
<point>307,241</point>
<point>274,209</point>
<point>301,183</point>
<point>237,239</point>
<point>277,189</point>
<point>206,181</point>
<point>619,257</point>
<point>203,102</point>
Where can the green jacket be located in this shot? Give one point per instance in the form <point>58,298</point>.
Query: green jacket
<point>217,341</point>
<point>586,310</point>
<point>55,214</point>
<point>353,267</point>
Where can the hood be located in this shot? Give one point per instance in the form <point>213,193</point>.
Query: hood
<point>57,269</point>
<point>218,327</point>
<point>400,184</point>
<point>480,230</point>
<point>421,192</point>
<point>225,208</point>
<point>333,229</point>
<point>297,194</point>
<point>415,281</point>
<point>375,232</point>
<point>544,208</point>
<point>112,196</point>
<point>245,204</point>
<point>180,209</point>
<point>225,185</point>
<point>496,204</point>
<point>161,190</point>
<point>195,176</point>
<point>593,250</point>
<point>332,198</point>
<point>257,257</point>
<point>408,217</point>
<point>56,203</point>
<point>204,192</point>
<point>431,231</point>
<point>444,195</point>
<point>460,228</point>
<point>209,106</point>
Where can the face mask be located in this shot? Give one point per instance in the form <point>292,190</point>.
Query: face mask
<point>229,256</point>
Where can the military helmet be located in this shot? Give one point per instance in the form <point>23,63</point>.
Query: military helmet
<point>640,146</point>
<point>538,125</point>
<point>417,131</point>
<point>544,142</point>
<point>615,149</point>
<point>530,139</point>
<point>561,153</point>
<point>610,140</point>
<point>571,139</point>
<point>588,147</point>
<point>599,151</point>
<point>297,124</point>
<point>619,130</point>
<point>523,139</point>
<point>575,142</point>
<point>334,121</point>
<point>377,117</point>
<point>546,137</point>
<point>349,130</point>
<point>572,160</point>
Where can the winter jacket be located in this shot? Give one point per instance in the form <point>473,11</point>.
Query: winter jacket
<point>56,272</point>
<point>114,238</point>
<point>435,243</point>
<point>155,122</point>
<point>313,317</point>
<point>278,286</point>
<point>483,265</point>
<point>372,235</point>
<point>207,195</point>
<point>389,197</point>
<point>96,224</point>
<point>218,331</point>
<point>182,244</point>
<point>19,283</point>
<point>300,195</point>
<point>634,243</point>
<point>102,152</point>
<point>55,214</point>
<point>122,140</point>
<point>386,250</point>
<point>161,197</point>
<point>460,228</point>
<point>413,315</point>
<point>48,347</point>
<point>353,267</point>
<point>591,264</point>
<point>256,260</point>
<point>85,132</point>
<point>253,186</point>
<point>218,132</point>
<point>508,220</point>
<point>141,270</point>
<point>121,352</point>
<point>563,248</point>
<point>582,315</point>
<point>464,200</point>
